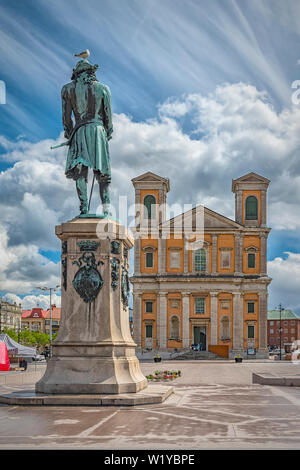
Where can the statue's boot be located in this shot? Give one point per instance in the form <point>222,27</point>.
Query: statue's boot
<point>81,186</point>
<point>104,188</point>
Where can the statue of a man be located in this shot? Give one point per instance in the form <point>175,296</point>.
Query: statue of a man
<point>90,103</point>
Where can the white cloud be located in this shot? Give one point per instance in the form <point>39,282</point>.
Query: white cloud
<point>284,287</point>
<point>201,142</point>
<point>23,268</point>
<point>29,302</point>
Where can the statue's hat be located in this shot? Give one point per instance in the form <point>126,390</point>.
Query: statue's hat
<point>83,66</point>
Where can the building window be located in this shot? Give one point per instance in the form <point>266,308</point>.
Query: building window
<point>251,208</point>
<point>149,260</point>
<point>199,305</point>
<point>272,340</point>
<point>271,331</point>
<point>251,307</point>
<point>149,207</point>
<point>149,307</point>
<point>149,331</point>
<point>174,328</point>
<point>200,260</point>
<point>271,323</point>
<point>250,332</point>
<point>251,260</point>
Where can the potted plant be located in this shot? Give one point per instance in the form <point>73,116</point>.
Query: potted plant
<point>157,358</point>
<point>238,358</point>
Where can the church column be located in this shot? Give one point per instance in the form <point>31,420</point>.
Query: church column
<point>137,256</point>
<point>263,254</point>
<point>137,319</point>
<point>185,319</point>
<point>214,318</point>
<point>214,254</point>
<point>162,255</point>
<point>237,254</point>
<point>238,321</point>
<point>162,320</point>
<point>185,257</point>
<point>262,321</point>
<point>263,211</point>
<point>239,207</point>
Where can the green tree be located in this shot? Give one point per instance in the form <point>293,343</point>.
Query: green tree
<point>11,333</point>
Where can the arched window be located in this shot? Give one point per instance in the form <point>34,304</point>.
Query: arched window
<point>174,327</point>
<point>251,208</point>
<point>149,211</point>
<point>200,260</point>
<point>225,334</point>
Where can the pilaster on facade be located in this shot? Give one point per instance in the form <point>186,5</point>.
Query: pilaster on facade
<point>263,254</point>
<point>262,322</point>
<point>263,208</point>
<point>238,247</point>
<point>214,254</point>
<point>239,207</point>
<point>238,321</point>
<point>185,319</point>
<point>185,257</point>
<point>214,318</point>
<point>162,256</point>
<point>137,319</point>
<point>137,257</point>
<point>162,321</point>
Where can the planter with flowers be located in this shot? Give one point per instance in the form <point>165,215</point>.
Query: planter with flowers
<point>238,358</point>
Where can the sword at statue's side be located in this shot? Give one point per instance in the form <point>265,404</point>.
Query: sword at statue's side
<point>60,145</point>
<point>68,142</point>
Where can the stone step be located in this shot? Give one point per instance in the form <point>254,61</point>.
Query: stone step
<point>195,355</point>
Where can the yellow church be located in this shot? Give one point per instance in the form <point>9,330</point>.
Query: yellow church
<point>200,277</point>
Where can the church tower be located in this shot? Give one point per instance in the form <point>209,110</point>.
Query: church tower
<point>251,200</point>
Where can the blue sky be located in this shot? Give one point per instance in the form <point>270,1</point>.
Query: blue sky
<point>196,85</point>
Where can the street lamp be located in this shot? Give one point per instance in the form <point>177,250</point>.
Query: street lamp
<point>280,329</point>
<point>50,290</point>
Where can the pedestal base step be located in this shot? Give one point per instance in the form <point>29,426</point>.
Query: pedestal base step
<point>153,394</point>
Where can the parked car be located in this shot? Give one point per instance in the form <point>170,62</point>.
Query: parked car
<point>38,357</point>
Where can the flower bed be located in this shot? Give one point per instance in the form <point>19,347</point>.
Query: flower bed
<point>164,375</point>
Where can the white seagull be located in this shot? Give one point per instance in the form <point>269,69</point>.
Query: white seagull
<point>83,54</point>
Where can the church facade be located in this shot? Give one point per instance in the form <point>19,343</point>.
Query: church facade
<point>200,277</point>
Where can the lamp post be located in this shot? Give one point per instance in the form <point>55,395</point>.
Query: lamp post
<point>50,290</point>
<point>280,329</point>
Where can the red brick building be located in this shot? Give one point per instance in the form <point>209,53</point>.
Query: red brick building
<point>290,328</point>
<point>38,319</point>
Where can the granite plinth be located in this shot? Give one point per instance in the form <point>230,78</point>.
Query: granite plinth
<point>94,352</point>
<point>153,394</point>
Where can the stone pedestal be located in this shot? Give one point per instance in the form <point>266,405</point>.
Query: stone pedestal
<point>94,352</point>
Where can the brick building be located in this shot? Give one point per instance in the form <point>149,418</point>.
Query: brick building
<point>290,328</point>
<point>10,315</point>
<point>38,319</point>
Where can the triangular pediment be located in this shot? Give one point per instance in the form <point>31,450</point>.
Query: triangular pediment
<point>150,177</point>
<point>198,219</point>
<point>250,179</point>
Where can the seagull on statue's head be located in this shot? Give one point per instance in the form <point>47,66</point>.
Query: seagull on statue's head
<point>83,54</point>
